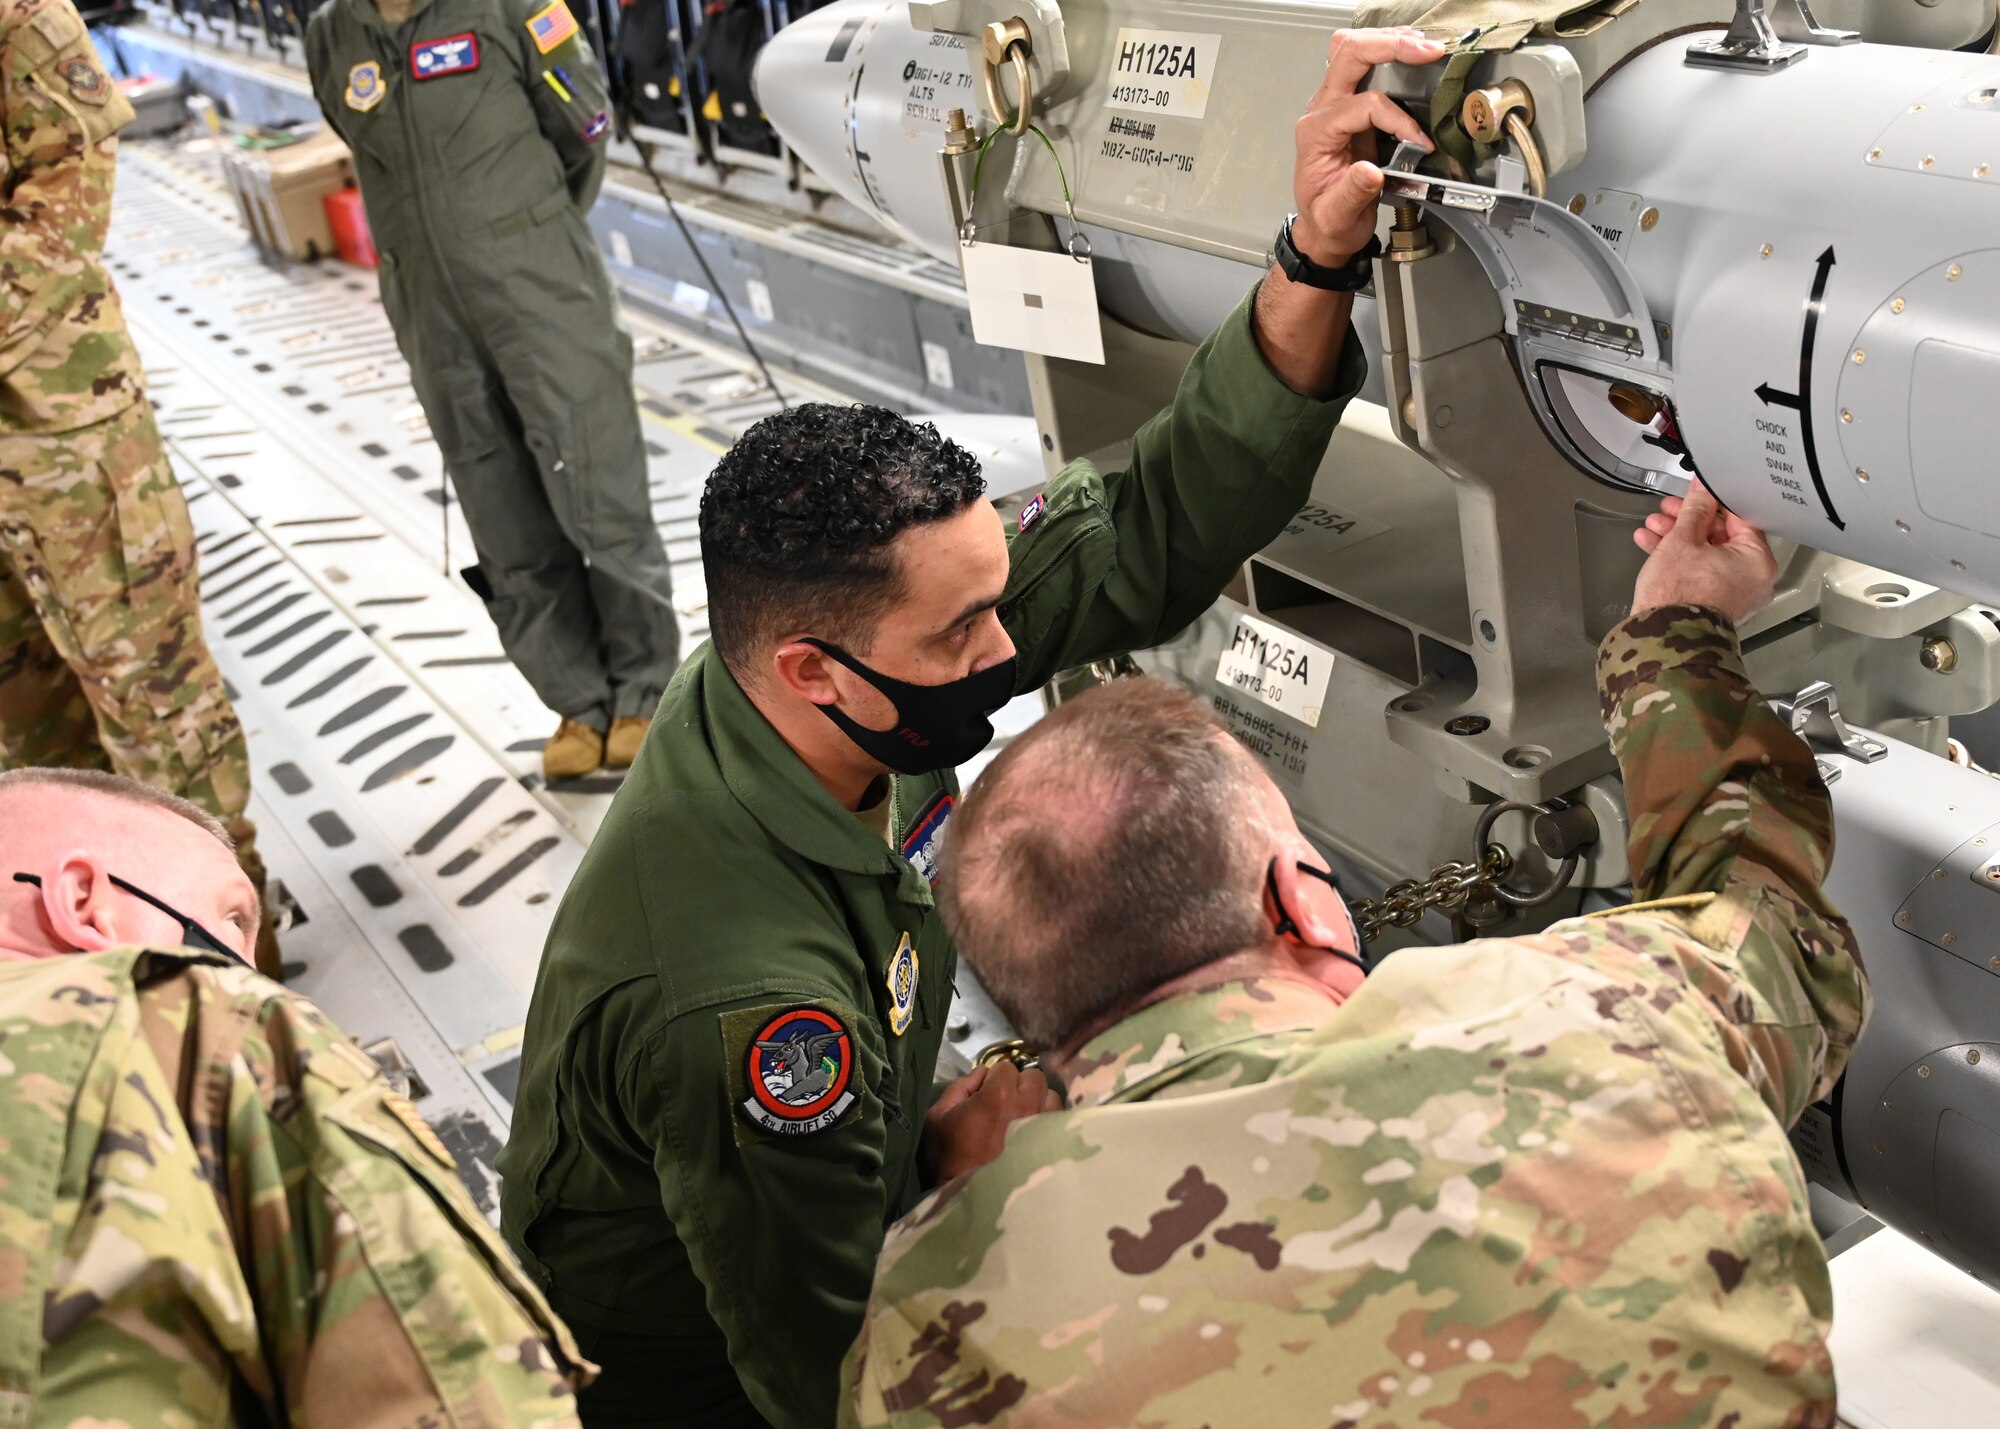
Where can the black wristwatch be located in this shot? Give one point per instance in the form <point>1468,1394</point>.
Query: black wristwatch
<point>1360,269</point>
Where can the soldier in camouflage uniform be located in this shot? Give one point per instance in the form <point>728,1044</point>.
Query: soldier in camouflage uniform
<point>1537,1181</point>
<point>213,1208</point>
<point>102,660</point>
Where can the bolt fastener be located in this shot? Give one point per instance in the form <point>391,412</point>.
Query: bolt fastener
<point>1938,655</point>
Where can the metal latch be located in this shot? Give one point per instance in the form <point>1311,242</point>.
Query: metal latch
<point>1814,715</point>
<point>1767,35</point>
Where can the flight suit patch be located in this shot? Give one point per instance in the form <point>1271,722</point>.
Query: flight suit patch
<point>85,80</point>
<point>594,130</point>
<point>1033,510</point>
<point>902,980</point>
<point>454,54</point>
<point>923,845</point>
<point>797,1070</point>
<point>364,87</point>
<point>552,26</point>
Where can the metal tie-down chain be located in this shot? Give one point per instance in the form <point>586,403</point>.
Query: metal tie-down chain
<point>1447,889</point>
<point>1477,892</point>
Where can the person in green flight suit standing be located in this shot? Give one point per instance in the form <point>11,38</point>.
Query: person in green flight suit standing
<point>726,1090</point>
<point>478,132</point>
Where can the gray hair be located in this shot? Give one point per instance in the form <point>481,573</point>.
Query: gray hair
<point>1104,852</point>
<point>117,786</point>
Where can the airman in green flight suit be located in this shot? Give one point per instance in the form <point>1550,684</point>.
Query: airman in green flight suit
<point>727,1081</point>
<point>478,130</point>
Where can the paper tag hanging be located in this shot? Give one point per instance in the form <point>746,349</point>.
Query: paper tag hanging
<point>1032,300</point>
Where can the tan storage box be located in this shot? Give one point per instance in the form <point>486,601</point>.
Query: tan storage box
<point>282,193</point>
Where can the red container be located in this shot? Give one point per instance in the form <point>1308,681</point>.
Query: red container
<point>349,222</point>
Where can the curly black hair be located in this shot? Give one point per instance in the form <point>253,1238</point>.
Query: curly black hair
<point>798,516</point>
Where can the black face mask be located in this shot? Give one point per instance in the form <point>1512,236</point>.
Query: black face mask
<point>937,726</point>
<point>193,935</point>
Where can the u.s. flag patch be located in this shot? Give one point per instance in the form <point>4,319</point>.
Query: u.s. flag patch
<point>551,26</point>
<point>1033,510</point>
<point>923,845</point>
<point>455,54</point>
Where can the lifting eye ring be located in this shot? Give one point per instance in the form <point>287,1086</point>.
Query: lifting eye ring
<point>1000,43</point>
<point>1506,110</point>
<point>1565,871</point>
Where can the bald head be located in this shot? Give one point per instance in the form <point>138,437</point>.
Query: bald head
<point>1118,844</point>
<point>75,831</point>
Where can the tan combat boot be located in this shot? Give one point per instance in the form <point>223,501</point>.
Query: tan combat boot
<point>575,750</point>
<point>628,732</point>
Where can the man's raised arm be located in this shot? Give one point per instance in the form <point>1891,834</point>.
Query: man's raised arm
<point>1724,800</point>
<point>1105,565</point>
<point>1302,330</point>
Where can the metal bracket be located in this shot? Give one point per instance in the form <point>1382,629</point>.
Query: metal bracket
<point>1814,715</point>
<point>1767,35</point>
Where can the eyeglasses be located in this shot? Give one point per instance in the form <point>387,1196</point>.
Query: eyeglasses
<point>193,935</point>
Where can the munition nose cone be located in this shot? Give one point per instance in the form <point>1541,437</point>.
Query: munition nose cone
<point>863,100</point>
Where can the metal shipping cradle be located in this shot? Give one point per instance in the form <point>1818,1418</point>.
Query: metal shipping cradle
<point>396,752</point>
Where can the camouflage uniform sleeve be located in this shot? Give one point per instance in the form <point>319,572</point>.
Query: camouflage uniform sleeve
<point>861,1405</point>
<point>62,114</point>
<point>382,1296</point>
<point>1723,799</point>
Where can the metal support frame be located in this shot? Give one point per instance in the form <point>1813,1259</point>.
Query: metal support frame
<point>1814,715</point>
<point>1767,35</point>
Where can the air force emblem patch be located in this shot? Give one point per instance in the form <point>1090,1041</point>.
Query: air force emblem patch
<point>902,981</point>
<point>923,845</point>
<point>364,87</point>
<point>85,80</point>
<point>797,1069</point>
<point>433,59</point>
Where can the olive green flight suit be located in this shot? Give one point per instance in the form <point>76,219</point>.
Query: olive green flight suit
<point>712,1247</point>
<point>478,131</point>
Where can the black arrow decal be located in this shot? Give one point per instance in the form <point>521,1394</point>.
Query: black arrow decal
<point>1801,401</point>
<point>1815,305</point>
